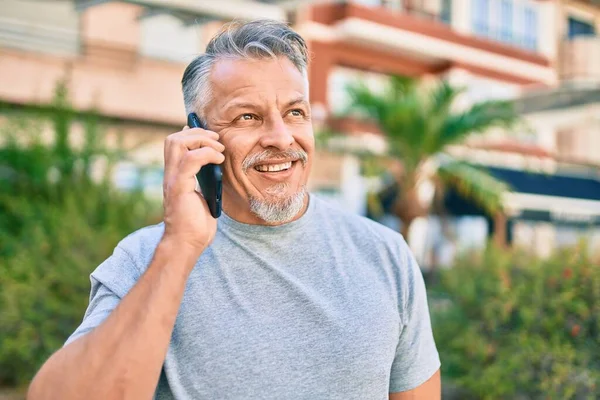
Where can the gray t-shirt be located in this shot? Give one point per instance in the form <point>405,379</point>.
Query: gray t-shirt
<point>330,306</point>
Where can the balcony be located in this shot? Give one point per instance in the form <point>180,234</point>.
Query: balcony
<point>420,37</point>
<point>52,29</point>
<point>579,59</point>
<point>40,38</point>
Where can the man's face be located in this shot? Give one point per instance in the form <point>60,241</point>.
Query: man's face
<point>260,110</point>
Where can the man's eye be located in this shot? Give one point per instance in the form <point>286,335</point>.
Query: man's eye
<point>297,113</point>
<point>246,117</point>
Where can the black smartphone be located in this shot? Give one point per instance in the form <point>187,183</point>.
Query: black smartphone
<point>210,177</point>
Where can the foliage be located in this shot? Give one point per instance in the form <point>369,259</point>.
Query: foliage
<point>474,183</point>
<point>509,326</point>
<point>420,122</point>
<point>56,226</point>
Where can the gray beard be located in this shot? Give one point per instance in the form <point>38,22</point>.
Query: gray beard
<point>278,210</point>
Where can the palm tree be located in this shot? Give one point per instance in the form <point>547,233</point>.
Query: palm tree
<point>420,123</point>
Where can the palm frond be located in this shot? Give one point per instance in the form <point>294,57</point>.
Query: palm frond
<point>401,86</point>
<point>365,102</point>
<point>475,184</point>
<point>439,105</point>
<point>443,95</point>
<point>398,111</point>
<point>405,126</point>
<point>419,121</point>
<point>479,118</point>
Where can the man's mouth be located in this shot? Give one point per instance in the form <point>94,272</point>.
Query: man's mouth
<point>284,166</point>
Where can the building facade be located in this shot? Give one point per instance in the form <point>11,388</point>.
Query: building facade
<point>126,58</point>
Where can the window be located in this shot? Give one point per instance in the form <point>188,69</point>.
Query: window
<point>481,17</point>
<point>392,4</point>
<point>513,22</point>
<point>371,3</point>
<point>580,28</point>
<point>167,37</point>
<point>446,15</point>
<point>506,21</point>
<point>531,26</point>
<point>430,9</point>
<point>518,31</point>
<point>494,21</point>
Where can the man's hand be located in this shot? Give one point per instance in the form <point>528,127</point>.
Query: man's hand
<point>186,215</point>
<point>119,358</point>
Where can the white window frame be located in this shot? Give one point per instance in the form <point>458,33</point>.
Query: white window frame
<point>157,45</point>
<point>518,27</point>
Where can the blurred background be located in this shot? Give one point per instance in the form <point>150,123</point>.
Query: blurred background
<point>470,126</point>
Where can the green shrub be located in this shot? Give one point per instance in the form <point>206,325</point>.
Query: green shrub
<point>510,326</point>
<point>56,226</point>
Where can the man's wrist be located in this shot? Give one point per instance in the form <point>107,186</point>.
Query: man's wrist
<point>179,251</point>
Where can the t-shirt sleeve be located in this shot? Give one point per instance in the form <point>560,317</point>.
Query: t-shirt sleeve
<point>110,282</point>
<point>417,358</point>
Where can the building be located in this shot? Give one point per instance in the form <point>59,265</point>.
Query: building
<point>126,59</point>
<point>542,54</point>
<point>123,58</point>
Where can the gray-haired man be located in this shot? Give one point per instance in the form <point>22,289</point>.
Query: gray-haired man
<point>285,298</point>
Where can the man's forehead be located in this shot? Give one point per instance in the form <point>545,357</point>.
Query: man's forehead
<point>234,77</point>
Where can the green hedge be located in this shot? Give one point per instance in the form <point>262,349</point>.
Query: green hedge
<point>507,325</point>
<point>510,326</point>
<point>56,226</point>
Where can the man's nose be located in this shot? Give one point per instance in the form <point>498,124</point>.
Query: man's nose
<point>277,135</point>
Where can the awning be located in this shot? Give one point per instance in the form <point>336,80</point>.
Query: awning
<point>561,198</point>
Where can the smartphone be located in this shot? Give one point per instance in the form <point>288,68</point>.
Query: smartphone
<point>210,177</point>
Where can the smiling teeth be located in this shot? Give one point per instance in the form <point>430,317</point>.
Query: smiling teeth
<point>273,167</point>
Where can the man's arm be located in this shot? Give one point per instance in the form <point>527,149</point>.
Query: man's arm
<point>430,390</point>
<point>123,356</point>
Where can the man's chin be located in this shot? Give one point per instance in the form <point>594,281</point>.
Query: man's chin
<point>278,209</point>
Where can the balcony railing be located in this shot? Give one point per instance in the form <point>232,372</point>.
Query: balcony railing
<point>580,59</point>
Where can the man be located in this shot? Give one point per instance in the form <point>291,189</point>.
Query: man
<point>284,297</point>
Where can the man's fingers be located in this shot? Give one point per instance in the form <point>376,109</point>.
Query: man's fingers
<point>177,144</point>
<point>183,180</point>
<point>193,141</point>
<point>200,131</point>
<point>193,160</point>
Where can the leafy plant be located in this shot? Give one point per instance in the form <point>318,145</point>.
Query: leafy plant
<point>510,326</point>
<point>56,225</point>
<point>420,122</point>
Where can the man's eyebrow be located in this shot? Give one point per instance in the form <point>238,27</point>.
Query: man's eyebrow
<point>298,100</point>
<point>239,104</point>
<point>242,104</point>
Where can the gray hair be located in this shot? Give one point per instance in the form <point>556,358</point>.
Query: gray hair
<point>251,40</point>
